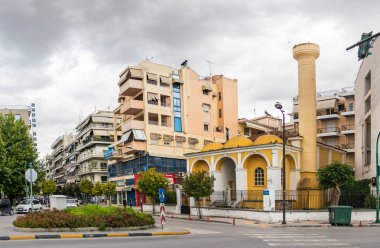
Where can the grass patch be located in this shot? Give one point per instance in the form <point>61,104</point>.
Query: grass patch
<point>85,216</point>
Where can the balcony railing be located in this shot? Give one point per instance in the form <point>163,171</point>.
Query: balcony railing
<point>348,127</point>
<point>348,145</point>
<point>153,123</point>
<point>93,170</point>
<point>328,130</point>
<point>165,104</point>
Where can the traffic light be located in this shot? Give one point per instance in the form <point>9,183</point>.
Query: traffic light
<point>363,50</point>
<point>373,181</point>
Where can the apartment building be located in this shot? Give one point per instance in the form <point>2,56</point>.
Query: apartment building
<point>80,156</point>
<point>166,113</point>
<point>335,120</point>
<point>367,122</point>
<point>26,113</point>
<point>56,170</point>
<point>94,134</point>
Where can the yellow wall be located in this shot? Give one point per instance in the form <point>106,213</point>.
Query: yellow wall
<point>251,164</point>
<point>200,166</point>
<point>323,156</point>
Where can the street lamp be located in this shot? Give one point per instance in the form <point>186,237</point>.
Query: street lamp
<point>279,107</point>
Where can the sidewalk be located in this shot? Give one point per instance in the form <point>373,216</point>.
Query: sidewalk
<point>244,222</point>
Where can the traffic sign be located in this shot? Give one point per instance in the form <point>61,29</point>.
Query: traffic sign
<point>161,195</point>
<point>31,175</point>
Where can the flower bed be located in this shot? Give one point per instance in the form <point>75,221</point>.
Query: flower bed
<point>86,216</point>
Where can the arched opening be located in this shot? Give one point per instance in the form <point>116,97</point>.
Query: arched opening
<point>256,166</point>
<point>227,178</point>
<point>200,166</point>
<point>290,166</point>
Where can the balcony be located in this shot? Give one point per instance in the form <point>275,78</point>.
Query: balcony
<point>91,156</point>
<point>348,129</point>
<point>93,169</point>
<point>133,147</point>
<point>132,107</point>
<point>349,147</point>
<point>131,87</point>
<point>328,132</point>
<point>326,114</point>
<point>132,124</point>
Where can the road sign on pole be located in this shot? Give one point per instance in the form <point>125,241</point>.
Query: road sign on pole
<point>161,195</point>
<point>31,175</point>
<point>163,216</point>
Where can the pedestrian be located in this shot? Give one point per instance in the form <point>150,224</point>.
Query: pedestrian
<point>124,202</point>
<point>130,203</point>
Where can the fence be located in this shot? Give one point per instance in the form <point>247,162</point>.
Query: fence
<point>294,199</point>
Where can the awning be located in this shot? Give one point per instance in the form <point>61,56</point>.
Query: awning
<point>152,97</point>
<point>139,135</point>
<point>165,80</point>
<point>70,180</point>
<point>155,136</point>
<point>103,132</point>
<point>99,119</point>
<point>327,104</point>
<point>136,73</point>
<point>193,140</point>
<point>168,137</point>
<point>206,87</point>
<point>151,76</point>
<point>180,138</point>
<point>176,80</point>
<point>125,136</point>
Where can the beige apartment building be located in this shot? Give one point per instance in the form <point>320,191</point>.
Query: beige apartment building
<point>335,120</point>
<point>25,113</point>
<point>367,93</point>
<point>166,113</point>
<point>80,156</point>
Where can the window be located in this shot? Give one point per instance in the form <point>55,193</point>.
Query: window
<point>152,98</point>
<point>34,133</point>
<point>164,82</point>
<point>165,101</point>
<point>33,120</point>
<point>151,78</point>
<point>367,141</point>
<point>367,104</point>
<point>246,131</point>
<point>33,109</point>
<point>177,124</point>
<point>367,83</point>
<point>17,117</point>
<point>165,121</point>
<point>177,107</point>
<point>205,92</point>
<point>205,127</point>
<point>259,177</point>
<point>153,119</point>
<point>220,96</point>
<point>33,125</point>
<point>220,113</point>
<point>206,107</point>
<point>167,142</point>
<point>33,115</point>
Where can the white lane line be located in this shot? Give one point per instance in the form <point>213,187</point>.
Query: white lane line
<point>300,240</point>
<point>200,231</point>
<point>307,244</point>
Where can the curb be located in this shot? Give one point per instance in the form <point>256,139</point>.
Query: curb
<point>93,235</point>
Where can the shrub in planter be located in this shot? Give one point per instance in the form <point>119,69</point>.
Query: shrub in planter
<point>115,217</point>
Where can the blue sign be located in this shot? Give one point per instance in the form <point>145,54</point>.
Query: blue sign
<point>161,195</point>
<point>108,154</point>
<point>266,192</point>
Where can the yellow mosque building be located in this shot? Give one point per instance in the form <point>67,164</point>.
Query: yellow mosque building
<point>244,164</point>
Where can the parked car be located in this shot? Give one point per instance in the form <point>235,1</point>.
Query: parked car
<point>26,206</point>
<point>6,207</point>
<point>70,203</point>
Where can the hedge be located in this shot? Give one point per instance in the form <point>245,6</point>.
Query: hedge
<point>85,217</point>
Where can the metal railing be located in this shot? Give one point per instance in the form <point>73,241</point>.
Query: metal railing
<point>328,130</point>
<point>327,112</point>
<point>348,146</point>
<point>348,127</point>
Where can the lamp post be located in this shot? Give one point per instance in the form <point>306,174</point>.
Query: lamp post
<point>279,107</point>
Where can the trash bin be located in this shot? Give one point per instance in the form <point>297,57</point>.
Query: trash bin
<point>340,215</point>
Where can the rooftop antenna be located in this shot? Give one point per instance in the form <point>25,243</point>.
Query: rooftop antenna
<point>210,66</point>
<point>149,59</point>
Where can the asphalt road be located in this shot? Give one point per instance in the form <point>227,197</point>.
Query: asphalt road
<point>219,235</point>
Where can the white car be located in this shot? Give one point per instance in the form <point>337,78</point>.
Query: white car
<point>26,206</point>
<point>70,203</point>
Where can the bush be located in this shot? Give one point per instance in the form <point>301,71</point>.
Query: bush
<point>88,216</point>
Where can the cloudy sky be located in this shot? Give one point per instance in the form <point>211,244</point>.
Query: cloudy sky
<point>66,55</point>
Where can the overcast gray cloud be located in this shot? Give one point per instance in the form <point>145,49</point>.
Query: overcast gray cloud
<point>66,55</point>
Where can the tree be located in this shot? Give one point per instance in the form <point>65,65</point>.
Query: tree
<point>333,176</point>
<point>97,190</point>
<point>49,187</point>
<point>197,185</point>
<point>109,189</point>
<point>150,182</point>
<point>85,187</point>
<point>17,149</point>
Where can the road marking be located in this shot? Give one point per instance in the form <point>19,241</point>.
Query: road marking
<point>200,231</point>
<point>307,244</point>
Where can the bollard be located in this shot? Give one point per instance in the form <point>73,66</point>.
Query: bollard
<point>360,223</point>
<point>208,219</point>
<point>233,221</point>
